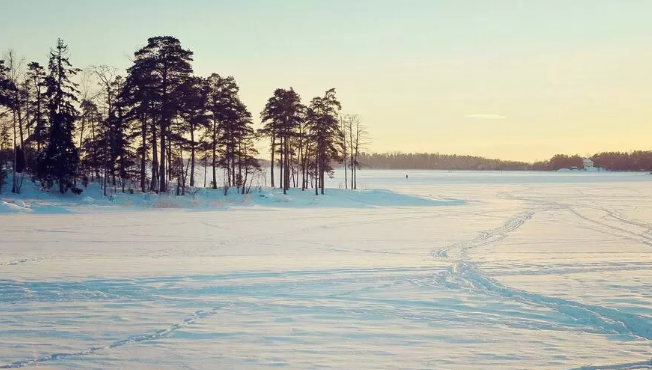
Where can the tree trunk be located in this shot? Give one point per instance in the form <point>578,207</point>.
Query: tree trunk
<point>20,119</point>
<point>106,165</point>
<point>214,144</point>
<point>239,179</point>
<point>39,123</point>
<point>95,172</point>
<point>280,176</point>
<point>352,164</point>
<point>316,174</point>
<point>286,164</point>
<point>344,154</point>
<point>143,154</point>
<point>169,164</point>
<point>81,132</point>
<point>14,183</point>
<point>322,169</point>
<point>205,168</point>
<point>27,114</point>
<point>165,120</point>
<point>154,184</point>
<point>271,169</point>
<point>192,157</point>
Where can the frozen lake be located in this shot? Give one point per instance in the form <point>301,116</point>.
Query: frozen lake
<point>502,271</point>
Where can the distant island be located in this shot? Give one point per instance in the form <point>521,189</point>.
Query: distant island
<point>610,161</point>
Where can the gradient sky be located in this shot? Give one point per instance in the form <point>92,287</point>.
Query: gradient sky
<point>512,79</point>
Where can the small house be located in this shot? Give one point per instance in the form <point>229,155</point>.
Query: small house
<point>588,164</point>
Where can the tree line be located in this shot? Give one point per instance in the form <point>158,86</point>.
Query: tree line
<point>436,161</point>
<point>610,161</point>
<point>150,128</point>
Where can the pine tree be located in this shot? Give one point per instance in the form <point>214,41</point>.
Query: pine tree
<point>6,86</point>
<point>122,157</point>
<point>38,106</point>
<point>234,127</point>
<point>284,115</point>
<point>325,132</point>
<point>243,150</point>
<point>58,161</point>
<point>91,161</point>
<point>194,114</point>
<point>139,96</point>
<point>222,106</point>
<point>167,66</point>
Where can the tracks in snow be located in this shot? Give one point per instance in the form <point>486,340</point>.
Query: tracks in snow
<point>464,274</point>
<point>626,366</point>
<point>484,237</point>
<point>610,321</point>
<point>21,261</point>
<point>604,227</point>
<point>200,314</point>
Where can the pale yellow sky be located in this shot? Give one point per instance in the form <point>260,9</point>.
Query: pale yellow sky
<point>526,106</point>
<point>511,79</point>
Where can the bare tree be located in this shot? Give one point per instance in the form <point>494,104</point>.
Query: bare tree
<point>349,129</point>
<point>87,93</point>
<point>359,139</point>
<point>106,76</point>
<point>15,66</point>
<point>344,128</point>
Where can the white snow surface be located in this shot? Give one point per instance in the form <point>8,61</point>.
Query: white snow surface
<point>444,270</point>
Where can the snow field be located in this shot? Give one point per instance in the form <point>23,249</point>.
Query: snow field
<point>482,270</point>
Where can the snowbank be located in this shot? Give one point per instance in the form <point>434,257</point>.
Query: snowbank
<point>34,200</point>
<point>14,206</point>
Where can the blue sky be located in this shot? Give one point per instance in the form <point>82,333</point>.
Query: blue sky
<point>503,78</point>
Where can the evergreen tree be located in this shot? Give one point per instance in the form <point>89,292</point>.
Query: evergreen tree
<point>325,131</point>
<point>91,161</point>
<point>121,156</point>
<point>6,86</point>
<point>139,96</point>
<point>283,117</point>
<point>167,66</point>
<point>38,123</point>
<point>194,113</point>
<point>58,161</point>
<point>161,116</point>
<point>244,151</point>
<point>222,106</point>
<point>235,126</point>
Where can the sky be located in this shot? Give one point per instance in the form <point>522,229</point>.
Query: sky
<point>509,79</point>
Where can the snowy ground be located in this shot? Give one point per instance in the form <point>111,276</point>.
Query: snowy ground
<point>482,271</point>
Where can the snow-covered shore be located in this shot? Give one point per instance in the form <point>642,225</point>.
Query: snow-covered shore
<point>33,200</point>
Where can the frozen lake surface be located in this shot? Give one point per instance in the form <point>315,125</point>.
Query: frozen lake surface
<point>486,270</point>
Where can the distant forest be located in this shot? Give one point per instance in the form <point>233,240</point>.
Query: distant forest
<point>611,161</point>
